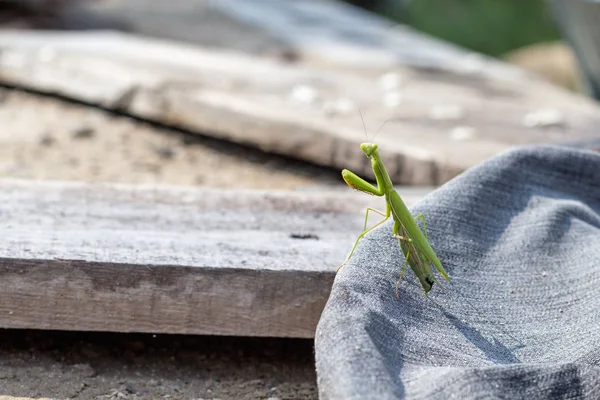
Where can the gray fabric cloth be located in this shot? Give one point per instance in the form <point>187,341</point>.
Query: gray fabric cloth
<point>520,237</point>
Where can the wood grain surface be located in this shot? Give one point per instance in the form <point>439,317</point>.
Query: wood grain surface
<point>122,258</point>
<point>441,121</point>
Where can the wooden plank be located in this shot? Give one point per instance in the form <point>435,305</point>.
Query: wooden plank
<point>445,123</point>
<point>201,22</point>
<point>50,139</point>
<point>108,257</point>
<point>315,31</point>
<point>335,32</point>
<point>324,32</point>
<point>328,33</point>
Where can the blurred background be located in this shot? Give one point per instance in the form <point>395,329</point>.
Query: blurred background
<point>491,27</point>
<point>538,35</point>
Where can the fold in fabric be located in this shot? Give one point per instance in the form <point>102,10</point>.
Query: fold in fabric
<point>520,237</point>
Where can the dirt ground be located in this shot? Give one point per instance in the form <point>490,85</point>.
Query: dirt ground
<point>59,365</point>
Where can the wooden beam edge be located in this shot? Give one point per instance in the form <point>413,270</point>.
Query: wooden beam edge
<point>87,296</point>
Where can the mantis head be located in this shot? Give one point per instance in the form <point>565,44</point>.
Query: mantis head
<point>368,148</point>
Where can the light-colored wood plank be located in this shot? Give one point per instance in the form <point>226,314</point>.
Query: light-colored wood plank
<point>444,124</point>
<point>46,138</point>
<point>122,258</point>
<point>201,22</point>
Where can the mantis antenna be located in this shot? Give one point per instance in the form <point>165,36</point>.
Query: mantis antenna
<point>365,127</point>
<point>379,130</point>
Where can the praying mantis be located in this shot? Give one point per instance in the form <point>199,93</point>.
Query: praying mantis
<point>413,242</point>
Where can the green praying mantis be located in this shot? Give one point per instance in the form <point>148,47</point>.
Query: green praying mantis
<point>413,242</point>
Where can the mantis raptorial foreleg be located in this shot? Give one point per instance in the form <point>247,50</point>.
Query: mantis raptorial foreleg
<point>358,183</point>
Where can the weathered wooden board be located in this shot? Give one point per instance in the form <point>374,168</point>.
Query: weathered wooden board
<point>45,138</point>
<point>324,32</point>
<point>76,256</point>
<point>316,31</point>
<point>200,22</point>
<point>441,123</point>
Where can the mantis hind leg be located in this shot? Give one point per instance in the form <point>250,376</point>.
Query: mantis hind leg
<point>402,273</point>
<point>418,261</point>
<point>396,233</point>
<point>441,271</point>
<point>422,218</point>
<point>365,231</point>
